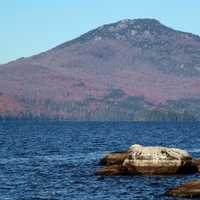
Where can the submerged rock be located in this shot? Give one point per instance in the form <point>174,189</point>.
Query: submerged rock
<point>188,190</point>
<point>112,170</point>
<point>114,158</point>
<point>148,161</point>
<point>197,163</point>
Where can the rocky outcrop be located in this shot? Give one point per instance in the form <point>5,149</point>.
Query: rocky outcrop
<point>188,190</point>
<point>148,161</point>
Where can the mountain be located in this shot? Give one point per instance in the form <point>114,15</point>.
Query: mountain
<point>130,70</point>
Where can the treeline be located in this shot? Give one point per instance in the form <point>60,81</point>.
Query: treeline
<point>113,107</point>
<point>165,115</point>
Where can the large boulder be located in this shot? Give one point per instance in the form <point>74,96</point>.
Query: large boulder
<point>158,160</point>
<point>148,160</point>
<point>115,158</point>
<point>188,190</point>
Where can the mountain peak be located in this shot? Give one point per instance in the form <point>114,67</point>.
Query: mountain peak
<point>170,50</point>
<point>126,29</point>
<point>132,23</point>
<point>140,21</point>
<point>139,25</point>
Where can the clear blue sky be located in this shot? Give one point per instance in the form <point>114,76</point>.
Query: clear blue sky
<point>28,27</point>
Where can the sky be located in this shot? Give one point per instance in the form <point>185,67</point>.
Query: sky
<point>28,27</point>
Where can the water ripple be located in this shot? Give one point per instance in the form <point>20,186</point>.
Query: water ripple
<point>57,160</point>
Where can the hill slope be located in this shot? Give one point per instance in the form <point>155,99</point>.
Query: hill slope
<point>130,70</point>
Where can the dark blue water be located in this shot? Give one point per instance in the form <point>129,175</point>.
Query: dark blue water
<point>57,160</point>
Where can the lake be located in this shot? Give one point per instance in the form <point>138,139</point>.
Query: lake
<point>57,160</point>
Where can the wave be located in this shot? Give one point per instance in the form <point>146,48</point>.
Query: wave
<point>197,150</point>
<point>81,157</point>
